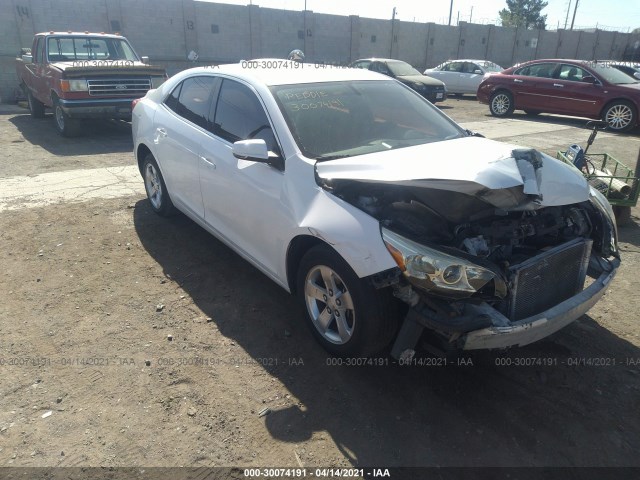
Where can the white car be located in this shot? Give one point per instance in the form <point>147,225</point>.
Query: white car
<point>463,76</point>
<point>382,215</point>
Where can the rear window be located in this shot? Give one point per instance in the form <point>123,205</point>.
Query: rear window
<point>68,49</point>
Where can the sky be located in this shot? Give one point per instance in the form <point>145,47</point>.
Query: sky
<point>621,15</point>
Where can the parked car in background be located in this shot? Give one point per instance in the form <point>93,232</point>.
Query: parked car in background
<point>463,76</point>
<point>432,89</point>
<point>566,87</point>
<point>374,208</point>
<point>630,68</point>
<point>83,75</point>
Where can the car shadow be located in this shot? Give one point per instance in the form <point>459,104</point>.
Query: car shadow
<point>568,400</point>
<point>630,232</point>
<point>95,137</point>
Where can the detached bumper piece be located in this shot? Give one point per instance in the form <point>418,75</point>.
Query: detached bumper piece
<point>546,294</point>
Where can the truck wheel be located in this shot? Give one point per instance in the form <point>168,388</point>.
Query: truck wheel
<point>66,126</point>
<point>347,316</point>
<point>36,107</point>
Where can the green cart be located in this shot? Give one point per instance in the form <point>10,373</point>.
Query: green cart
<point>617,182</point>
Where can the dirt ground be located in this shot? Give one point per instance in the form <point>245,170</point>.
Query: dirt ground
<point>127,339</point>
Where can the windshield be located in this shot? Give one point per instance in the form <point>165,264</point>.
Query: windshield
<point>401,69</point>
<point>612,75</point>
<point>349,118</point>
<point>67,49</point>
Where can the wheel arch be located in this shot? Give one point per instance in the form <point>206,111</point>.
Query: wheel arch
<point>298,247</point>
<point>142,151</point>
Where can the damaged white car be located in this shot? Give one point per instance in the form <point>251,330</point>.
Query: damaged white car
<point>390,222</point>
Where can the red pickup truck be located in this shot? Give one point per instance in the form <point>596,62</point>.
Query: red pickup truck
<point>84,75</point>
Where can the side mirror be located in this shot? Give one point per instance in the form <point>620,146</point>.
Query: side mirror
<point>27,58</point>
<point>255,150</point>
<point>478,71</point>
<point>145,59</point>
<point>589,79</point>
<point>637,75</point>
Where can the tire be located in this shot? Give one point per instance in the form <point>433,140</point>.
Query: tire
<point>501,104</point>
<point>36,107</point>
<point>65,125</point>
<point>349,318</point>
<point>620,115</point>
<point>155,187</point>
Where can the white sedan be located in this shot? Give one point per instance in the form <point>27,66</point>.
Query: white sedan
<point>384,217</point>
<point>463,76</point>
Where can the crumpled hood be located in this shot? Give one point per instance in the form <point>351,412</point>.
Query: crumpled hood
<point>505,176</point>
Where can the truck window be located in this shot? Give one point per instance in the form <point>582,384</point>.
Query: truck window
<point>66,49</point>
<point>36,50</point>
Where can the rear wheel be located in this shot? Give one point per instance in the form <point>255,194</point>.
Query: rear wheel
<point>346,315</point>
<point>501,104</point>
<point>157,192</point>
<point>36,107</point>
<point>620,116</point>
<point>66,126</point>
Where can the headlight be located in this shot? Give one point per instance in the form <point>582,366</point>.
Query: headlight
<point>157,81</point>
<point>74,85</point>
<point>432,270</point>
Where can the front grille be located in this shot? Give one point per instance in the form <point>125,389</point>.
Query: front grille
<point>548,279</point>
<point>125,87</point>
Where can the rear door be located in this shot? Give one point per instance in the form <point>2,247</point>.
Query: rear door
<point>450,75</point>
<point>181,124</point>
<point>534,89</point>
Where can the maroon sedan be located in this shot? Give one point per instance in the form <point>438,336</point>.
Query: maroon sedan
<point>565,87</point>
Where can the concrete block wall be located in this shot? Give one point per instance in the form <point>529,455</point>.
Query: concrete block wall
<point>167,30</point>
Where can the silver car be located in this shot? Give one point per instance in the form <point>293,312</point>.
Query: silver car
<point>463,76</point>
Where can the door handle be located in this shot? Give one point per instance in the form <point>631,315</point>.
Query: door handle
<point>208,162</point>
<point>558,85</point>
<point>515,80</point>
<point>162,132</point>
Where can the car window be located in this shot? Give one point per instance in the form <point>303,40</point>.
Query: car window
<point>470,67</point>
<point>540,70</point>
<point>350,118</point>
<point>612,75</point>
<point>66,49</point>
<point>453,67</point>
<point>572,73</point>
<point>240,116</point>
<point>192,100</point>
<point>364,64</point>
<point>380,68</point>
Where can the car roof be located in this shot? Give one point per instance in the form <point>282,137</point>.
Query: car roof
<point>79,34</point>
<point>376,59</point>
<point>273,72</point>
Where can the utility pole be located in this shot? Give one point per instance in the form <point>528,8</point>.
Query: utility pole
<point>471,16</point>
<point>304,21</point>
<point>393,22</point>
<point>566,19</point>
<point>450,11</point>
<point>575,10</point>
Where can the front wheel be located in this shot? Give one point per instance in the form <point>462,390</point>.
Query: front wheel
<point>155,187</point>
<point>620,116</point>
<point>65,125</point>
<point>347,316</point>
<point>501,104</point>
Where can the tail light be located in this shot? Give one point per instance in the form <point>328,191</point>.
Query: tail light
<point>134,103</point>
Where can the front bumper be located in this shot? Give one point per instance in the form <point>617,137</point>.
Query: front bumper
<point>508,334</point>
<point>98,108</point>
<point>537,327</point>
